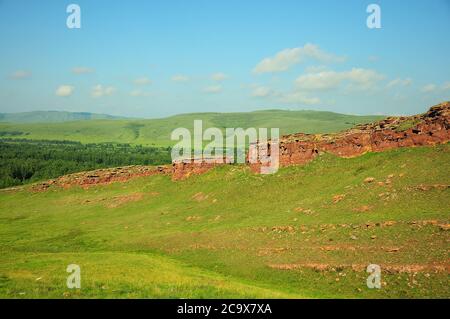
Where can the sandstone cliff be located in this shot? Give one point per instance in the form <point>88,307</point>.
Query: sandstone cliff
<point>430,128</point>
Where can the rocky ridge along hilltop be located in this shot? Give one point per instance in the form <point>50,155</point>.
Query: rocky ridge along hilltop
<point>430,128</point>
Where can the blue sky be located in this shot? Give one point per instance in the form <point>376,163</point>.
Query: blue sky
<point>157,58</point>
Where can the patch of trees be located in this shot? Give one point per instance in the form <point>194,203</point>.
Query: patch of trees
<point>23,161</point>
<point>11,133</point>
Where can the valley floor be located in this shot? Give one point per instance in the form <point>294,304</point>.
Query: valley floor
<point>305,232</point>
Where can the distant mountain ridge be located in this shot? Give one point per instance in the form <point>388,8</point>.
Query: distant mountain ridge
<point>53,117</point>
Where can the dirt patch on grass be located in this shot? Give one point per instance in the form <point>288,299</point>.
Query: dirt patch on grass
<point>389,268</point>
<point>283,229</point>
<point>193,218</point>
<point>443,225</point>
<point>11,190</point>
<point>203,246</point>
<point>272,251</point>
<point>303,210</point>
<point>200,197</point>
<point>338,198</point>
<point>428,187</point>
<point>118,201</point>
<point>362,209</point>
<point>339,247</point>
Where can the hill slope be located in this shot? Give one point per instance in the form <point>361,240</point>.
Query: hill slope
<point>52,116</point>
<point>157,131</point>
<point>306,231</point>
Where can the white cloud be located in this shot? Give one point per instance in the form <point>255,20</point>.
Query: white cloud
<point>356,78</point>
<point>362,78</point>
<point>261,91</point>
<point>446,86</point>
<point>292,97</point>
<point>399,82</point>
<point>315,68</point>
<point>319,81</point>
<point>287,58</point>
<point>142,81</point>
<point>429,88</point>
<point>82,70</point>
<point>282,61</point>
<point>213,89</point>
<point>218,76</point>
<point>64,90</point>
<point>180,78</point>
<point>20,74</point>
<point>139,93</point>
<point>299,97</point>
<point>100,90</point>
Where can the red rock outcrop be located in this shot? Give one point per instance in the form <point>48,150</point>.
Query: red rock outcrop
<point>185,168</point>
<point>430,128</point>
<point>103,176</point>
<point>178,170</point>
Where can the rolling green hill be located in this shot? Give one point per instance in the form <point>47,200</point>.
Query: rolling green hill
<point>157,131</point>
<point>306,231</point>
<point>52,116</point>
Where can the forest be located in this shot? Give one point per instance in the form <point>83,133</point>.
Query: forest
<point>24,161</point>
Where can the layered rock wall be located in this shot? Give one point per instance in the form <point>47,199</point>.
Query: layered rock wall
<point>430,128</point>
<point>184,168</point>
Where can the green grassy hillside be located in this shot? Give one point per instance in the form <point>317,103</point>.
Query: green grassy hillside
<point>52,116</point>
<point>157,131</point>
<point>306,231</point>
